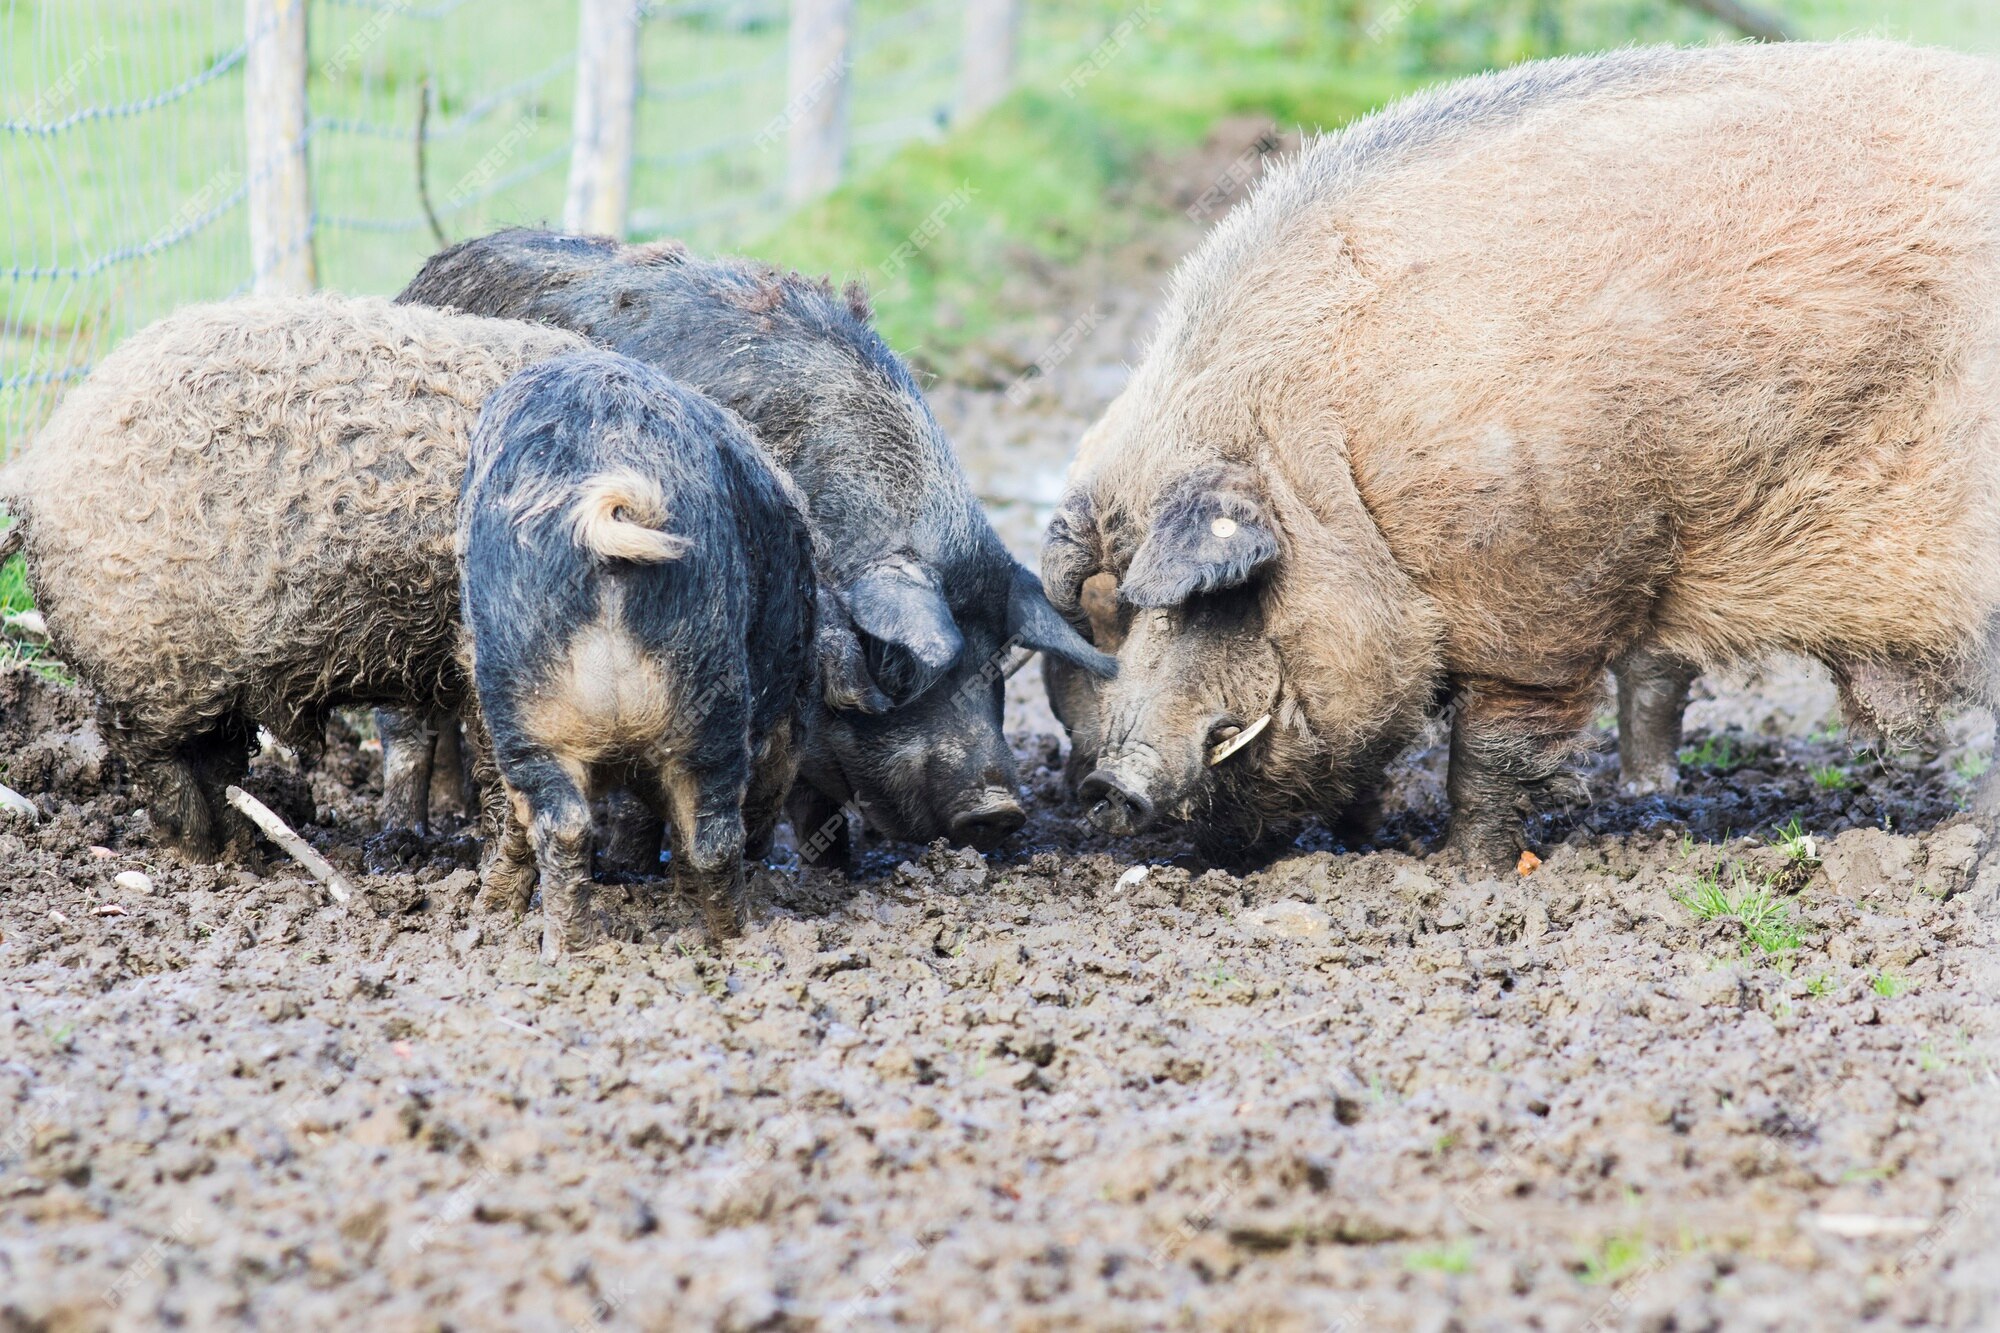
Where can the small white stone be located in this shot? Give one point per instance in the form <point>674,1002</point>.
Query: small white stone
<point>1223,527</point>
<point>138,881</point>
<point>1132,877</point>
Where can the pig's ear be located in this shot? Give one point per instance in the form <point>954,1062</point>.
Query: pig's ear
<point>843,664</point>
<point>1034,623</point>
<point>908,633</point>
<point>1209,532</point>
<point>1072,551</point>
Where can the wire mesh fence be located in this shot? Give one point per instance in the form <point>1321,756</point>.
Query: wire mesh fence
<point>124,188</point>
<point>122,181</point>
<point>448,117</point>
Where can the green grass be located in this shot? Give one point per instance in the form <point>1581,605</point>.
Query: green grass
<point>1049,174</point>
<point>1719,894</point>
<point>18,647</point>
<point>946,235</point>
<point>1969,768</point>
<point>1612,1259</point>
<point>1716,754</point>
<point>1799,847</point>
<point>1831,777</point>
<point>14,595</point>
<point>1455,1258</point>
<point>1888,985</point>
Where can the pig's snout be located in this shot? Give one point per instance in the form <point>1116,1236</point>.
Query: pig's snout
<point>988,818</point>
<point>1118,805</point>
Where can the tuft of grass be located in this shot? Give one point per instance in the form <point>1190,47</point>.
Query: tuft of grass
<point>1767,923</point>
<point>22,648</point>
<point>1801,852</point>
<point>1819,985</point>
<point>1614,1257</point>
<point>1888,985</point>
<point>1831,777</point>
<point>1799,847</point>
<point>1716,754</point>
<point>1969,768</point>
<point>1444,1259</point>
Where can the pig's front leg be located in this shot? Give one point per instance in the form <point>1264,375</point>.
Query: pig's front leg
<point>1510,744</point>
<point>1652,701</point>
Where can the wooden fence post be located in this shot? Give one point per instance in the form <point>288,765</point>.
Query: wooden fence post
<point>819,58</point>
<point>992,44</point>
<point>279,190</point>
<point>607,92</point>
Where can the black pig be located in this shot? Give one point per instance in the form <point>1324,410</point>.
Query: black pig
<point>638,593</point>
<point>925,601</point>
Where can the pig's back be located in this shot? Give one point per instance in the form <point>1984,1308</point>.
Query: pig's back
<point>1702,340</point>
<point>259,496</point>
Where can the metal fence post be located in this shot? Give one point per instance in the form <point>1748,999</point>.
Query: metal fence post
<point>992,43</point>
<point>607,89</point>
<point>820,54</point>
<point>274,106</point>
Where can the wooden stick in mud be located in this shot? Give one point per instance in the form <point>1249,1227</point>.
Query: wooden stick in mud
<point>301,851</point>
<point>19,804</point>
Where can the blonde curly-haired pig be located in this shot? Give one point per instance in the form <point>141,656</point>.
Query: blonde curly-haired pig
<point>244,517</point>
<point>1670,358</point>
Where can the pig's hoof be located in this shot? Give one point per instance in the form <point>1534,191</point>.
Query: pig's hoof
<point>723,917</point>
<point>581,935</point>
<point>506,889</point>
<point>1481,851</point>
<point>1663,780</point>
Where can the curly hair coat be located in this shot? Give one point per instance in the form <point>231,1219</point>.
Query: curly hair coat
<point>244,517</point>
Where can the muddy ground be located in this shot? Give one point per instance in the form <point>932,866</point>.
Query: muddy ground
<point>1076,1084</point>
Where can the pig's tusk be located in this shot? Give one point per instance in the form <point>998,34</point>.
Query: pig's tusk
<point>1238,741</point>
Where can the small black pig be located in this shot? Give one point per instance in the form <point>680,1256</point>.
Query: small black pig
<point>638,596</point>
